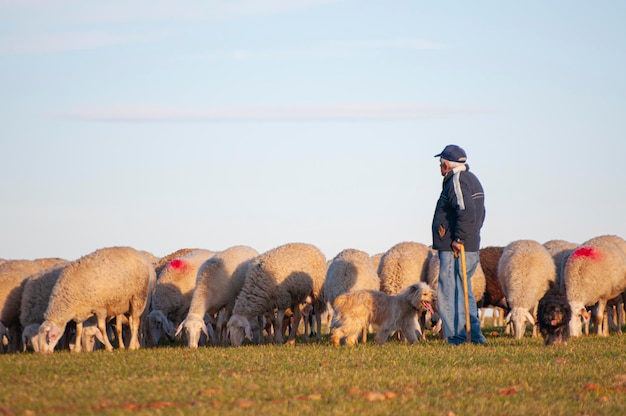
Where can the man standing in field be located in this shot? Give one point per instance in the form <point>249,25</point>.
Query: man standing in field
<point>459,216</point>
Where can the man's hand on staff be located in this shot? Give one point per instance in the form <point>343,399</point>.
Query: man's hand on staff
<point>456,247</point>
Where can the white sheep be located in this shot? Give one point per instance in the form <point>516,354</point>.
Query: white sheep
<point>109,282</point>
<point>13,274</point>
<point>174,289</point>
<point>219,281</point>
<point>525,269</point>
<point>35,297</point>
<point>349,271</point>
<point>280,279</point>
<point>594,273</point>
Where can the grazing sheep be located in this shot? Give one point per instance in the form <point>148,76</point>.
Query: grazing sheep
<point>107,283</point>
<point>356,310</point>
<point>280,278</point>
<point>402,265</point>
<point>594,273</point>
<point>526,269</point>
<point>13,275</point>
<point>349,271</point>
<point>35,298</point>
<point>172,294</point>
<point>219,281</point>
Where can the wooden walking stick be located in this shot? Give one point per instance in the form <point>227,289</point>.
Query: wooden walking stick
<point>468,327</point>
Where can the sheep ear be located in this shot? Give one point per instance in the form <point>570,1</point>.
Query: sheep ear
<point>100,336</point>
<point>179,329</point>
<point>530,318</point>
<point>168,327</point>
<point>584,315</point>
<point>507,320</point>
<point>248,331</point>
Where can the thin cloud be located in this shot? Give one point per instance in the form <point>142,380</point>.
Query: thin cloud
<point>336,49</point>
<point>47,26</point>
<point>73,41</point>
<point>270,113</point>
<point>116,11</point>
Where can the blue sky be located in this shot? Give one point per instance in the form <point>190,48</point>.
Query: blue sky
<point>171,124</point>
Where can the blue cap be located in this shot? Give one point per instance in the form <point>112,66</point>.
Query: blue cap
<point>453,153</point>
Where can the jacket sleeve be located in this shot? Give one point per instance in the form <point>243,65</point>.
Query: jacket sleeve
<point>464,207</point>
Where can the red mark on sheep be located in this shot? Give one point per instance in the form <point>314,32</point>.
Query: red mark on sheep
<point>178,264</point>
<point>591,253</point>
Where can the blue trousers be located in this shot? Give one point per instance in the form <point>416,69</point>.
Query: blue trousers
<point>450,298</point>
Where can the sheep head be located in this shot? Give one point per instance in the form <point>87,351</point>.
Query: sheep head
<point>194,326</point>
<point>159,325</point>
<point>49,335</point>
<point>238,326</point>
<point>519,317</point>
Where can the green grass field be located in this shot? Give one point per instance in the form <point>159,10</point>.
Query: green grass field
<point>508,377</point>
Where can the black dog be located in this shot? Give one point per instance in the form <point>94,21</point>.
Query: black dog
<point>553,315</point>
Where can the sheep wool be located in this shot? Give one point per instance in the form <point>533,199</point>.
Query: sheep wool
<point>220,279</point>
<point>526,269</point>
<point>109,282</point>
<point>402,265</point>
<point>594,273</point>
<point>280,278</point>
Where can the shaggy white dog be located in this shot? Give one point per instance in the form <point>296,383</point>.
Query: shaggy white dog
<point>356,310</point>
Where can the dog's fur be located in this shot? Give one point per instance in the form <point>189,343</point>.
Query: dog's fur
<point>553,316</point>
<point>356,310</point>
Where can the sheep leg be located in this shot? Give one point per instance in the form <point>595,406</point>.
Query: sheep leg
<point>78,343</point>
<point>118,331</point>
<point>133,323</point>
<point>296,322</point>
<point>278,327</point>
<point>599,318</point>
<point>318,323</point>
<point>103,328</point>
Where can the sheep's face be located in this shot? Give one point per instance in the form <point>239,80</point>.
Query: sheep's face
<point>519,317</point>
<point>579,316</point>
<point>194,327</point>
<point>238,327</point>
<point>49,336</point>
<point>159,325</point>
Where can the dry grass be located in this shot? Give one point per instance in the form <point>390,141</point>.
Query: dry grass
<point>509,377</point>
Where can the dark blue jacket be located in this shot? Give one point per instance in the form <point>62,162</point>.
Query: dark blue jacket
<point>460,212</point>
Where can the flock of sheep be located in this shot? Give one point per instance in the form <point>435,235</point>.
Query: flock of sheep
<point>130,298</point>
